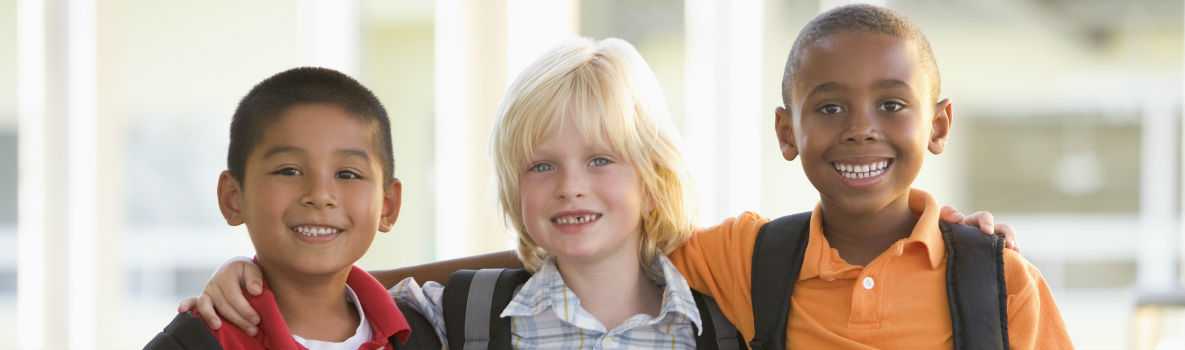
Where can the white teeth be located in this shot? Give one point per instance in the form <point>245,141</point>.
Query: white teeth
<point>862,171</point>
<point>314,231</point>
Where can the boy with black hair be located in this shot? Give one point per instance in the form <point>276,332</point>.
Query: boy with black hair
<point>871,266</point>
<point>310,171</point>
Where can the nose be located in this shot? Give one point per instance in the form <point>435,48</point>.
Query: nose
<point>319,193</point>
<point>863,126</point>
<point>572,184</point>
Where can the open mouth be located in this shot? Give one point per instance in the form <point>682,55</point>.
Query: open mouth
<point>316,231</point>
<point>859,171</point>
<point>575,219</point>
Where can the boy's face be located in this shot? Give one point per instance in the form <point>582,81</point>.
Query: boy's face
<point>863,119</point>
<point>313,193</point>
<point>581,202</point>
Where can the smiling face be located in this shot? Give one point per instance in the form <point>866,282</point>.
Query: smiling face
<point>863,118</point>
<point>313,193</point>
<point>580,202</point>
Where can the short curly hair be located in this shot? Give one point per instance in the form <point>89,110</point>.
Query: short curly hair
<point>859,18</point>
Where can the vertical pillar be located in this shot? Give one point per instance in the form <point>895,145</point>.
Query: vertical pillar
<point>724,117</point>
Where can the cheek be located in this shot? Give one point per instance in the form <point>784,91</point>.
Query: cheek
<point>268,197</point>
<point>532,198</point>
<point>364,198</point>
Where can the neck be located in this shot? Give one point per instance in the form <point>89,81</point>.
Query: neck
<point>631,292</point>
<point>313,306</point>
<point>861,236</point>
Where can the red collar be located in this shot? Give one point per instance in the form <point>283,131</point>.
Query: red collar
<point>382,314</point>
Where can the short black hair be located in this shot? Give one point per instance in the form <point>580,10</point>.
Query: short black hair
<point>859,18</point>
<point>269,99</point>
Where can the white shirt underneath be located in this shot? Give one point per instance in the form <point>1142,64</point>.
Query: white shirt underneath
<point>361,335</point>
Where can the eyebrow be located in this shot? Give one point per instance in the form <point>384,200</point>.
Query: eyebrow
<point>824,87</point>
<point>354,153</point>
<point>348,152</point>
<point>281,149</point>
<point>891,83</point>
<point>834,86</point>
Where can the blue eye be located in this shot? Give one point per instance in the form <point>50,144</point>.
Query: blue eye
<point>348,175</point>
<point>891,106</point>
<point>830,109</point>
<point>600,161</point>
<point>287,171</point>
<point>540,167</point>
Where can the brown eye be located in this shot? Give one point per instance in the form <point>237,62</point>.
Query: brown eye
<point>348,175</point>
<point>288,171</point>
<point>892,106</point>
<point>830,109</point>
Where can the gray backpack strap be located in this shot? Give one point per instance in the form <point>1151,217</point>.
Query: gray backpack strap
<point>718,332</point>
<point>473,291</point>
<point>975,288</point>
<point>473,302</point>
<point>777,259</point>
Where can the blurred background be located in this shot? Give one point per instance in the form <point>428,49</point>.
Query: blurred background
<point>114,118</point>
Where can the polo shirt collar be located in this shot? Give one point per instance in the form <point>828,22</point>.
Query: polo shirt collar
<point>821,261</point>
<point>382,314</point>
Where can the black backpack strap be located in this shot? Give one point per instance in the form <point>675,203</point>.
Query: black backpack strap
<point>473,301</point>
<point>975,288</point>
<point>423,336</point>
<point>777,259</point>
<point>186,331</point>
<point>717,332</point>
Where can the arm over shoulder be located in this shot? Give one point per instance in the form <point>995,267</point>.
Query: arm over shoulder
<point>1034,321</point>
<point>427,300</point>
<point>717,261</point>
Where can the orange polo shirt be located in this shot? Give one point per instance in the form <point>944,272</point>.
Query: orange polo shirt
<point>898,301</point>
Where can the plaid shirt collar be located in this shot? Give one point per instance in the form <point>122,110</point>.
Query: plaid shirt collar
<point>546,290</point>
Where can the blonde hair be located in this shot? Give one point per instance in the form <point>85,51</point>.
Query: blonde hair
<point>613,90</point>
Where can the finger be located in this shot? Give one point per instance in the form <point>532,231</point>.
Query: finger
<point>205,309</point>
<point>950,214</point>
<point>252,278</point>
<point>983,220</point>
<point>1009,235</point>
<point>186,304</point>
<point>228,312</point>
<point>239,303</point>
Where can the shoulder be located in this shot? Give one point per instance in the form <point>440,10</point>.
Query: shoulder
<point>187,331</point>
<point>745,224</point>
<point>1020,275</point>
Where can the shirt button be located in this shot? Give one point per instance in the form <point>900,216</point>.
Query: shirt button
<point>868,283</point>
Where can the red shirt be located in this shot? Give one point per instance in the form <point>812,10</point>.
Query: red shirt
<point>381,313</point>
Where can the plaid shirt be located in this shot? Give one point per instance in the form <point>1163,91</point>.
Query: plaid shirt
<point>545,314</point>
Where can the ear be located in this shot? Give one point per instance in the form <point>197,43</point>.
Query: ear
<point>230,198</point>
<point>784,127</point>
<point>940,126</point>
<point>392,200</point>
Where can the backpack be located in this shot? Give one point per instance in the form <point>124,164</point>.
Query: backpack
<point>975,287</point>
<point>188,332</point>
<point>474,300</point>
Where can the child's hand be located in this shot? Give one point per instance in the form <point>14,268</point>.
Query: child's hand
<point>984,221</point>
<point>224,293</point>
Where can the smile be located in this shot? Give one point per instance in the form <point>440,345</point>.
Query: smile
<point>575,219</point>
<point>314,231</point>
<point>862,171</point>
